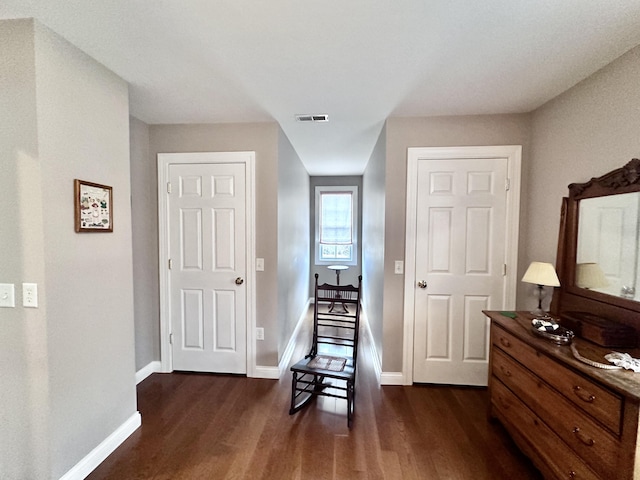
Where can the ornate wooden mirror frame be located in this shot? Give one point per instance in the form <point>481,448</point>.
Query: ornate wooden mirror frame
<point>569,297</point>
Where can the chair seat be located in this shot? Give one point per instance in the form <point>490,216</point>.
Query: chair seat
<point>303,367</point>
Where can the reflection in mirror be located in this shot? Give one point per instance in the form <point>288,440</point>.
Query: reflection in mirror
<point>607,248</point>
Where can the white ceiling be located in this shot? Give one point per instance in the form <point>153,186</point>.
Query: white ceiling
<point>209,61</point>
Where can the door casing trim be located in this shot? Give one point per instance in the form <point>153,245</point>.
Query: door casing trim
<point>513,154</point>
<point>164,161</point>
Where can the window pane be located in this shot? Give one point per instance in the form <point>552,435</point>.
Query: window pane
<point>336,252</point>
<point>327,252</point>
<point>343,252</point>
<point>335,218</point>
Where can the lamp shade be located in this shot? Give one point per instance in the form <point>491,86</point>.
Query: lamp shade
<point>590,275</point>
<point>541,273</point>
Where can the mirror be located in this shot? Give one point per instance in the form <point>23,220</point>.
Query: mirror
<point>598,259</point>
<point>607,248</point>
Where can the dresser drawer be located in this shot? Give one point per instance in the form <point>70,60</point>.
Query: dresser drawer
<point>599,402</point>
<point>548,446</point>
<point>596,446</point>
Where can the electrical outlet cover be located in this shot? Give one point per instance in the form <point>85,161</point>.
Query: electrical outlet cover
<point>30,295</point>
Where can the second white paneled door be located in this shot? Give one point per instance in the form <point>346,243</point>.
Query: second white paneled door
<point>459,265</point>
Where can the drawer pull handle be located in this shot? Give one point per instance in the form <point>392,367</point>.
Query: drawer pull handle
<point>506,372</point>
<point>572,474</point>
<point>583,395</point>
<point>503,403</point>
<point>504,342</point>
<point>587,441</point>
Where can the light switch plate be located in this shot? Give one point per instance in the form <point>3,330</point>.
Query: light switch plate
<point>7,295</point>
<point>399,267</point>
<point>260,264</point>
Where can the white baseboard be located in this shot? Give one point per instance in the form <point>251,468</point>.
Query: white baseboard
<point>291,345</point>
<point>377,367</point>
<point>392,378</point>
<point>89,463</point>
<point>144,372</point>
<point>261,371</point>
<point>384,378</point>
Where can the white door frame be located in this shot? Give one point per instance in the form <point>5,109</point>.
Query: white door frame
<point>513,153</point>
<point>164,161</point>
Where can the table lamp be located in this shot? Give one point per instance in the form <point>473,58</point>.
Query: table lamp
<point>541,274</point>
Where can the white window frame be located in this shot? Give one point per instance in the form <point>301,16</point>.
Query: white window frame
<point>353,190</point>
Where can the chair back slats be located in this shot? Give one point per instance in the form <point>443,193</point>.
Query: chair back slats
<point>344,293</point>
<point>336,318</point>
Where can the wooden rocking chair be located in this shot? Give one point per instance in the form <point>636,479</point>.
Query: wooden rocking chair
<point>334,349</point>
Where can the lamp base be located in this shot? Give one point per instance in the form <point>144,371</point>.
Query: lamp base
<point>541,314</point>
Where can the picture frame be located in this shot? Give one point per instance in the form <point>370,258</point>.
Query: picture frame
<point>93,207</point>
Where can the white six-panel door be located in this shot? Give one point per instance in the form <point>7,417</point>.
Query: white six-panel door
<point>457,263</point>
<point>207,232</point>
<point>460,232</point>
<point>206,250</point>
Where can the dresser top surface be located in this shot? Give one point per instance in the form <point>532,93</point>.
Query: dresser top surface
<point>625,382</point>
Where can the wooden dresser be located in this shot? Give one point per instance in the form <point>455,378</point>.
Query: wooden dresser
<point>573,420</point>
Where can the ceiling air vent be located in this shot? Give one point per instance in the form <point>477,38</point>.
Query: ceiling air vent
<point>312,118</point>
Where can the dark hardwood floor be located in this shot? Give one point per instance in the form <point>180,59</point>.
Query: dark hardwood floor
<point>203,426</point>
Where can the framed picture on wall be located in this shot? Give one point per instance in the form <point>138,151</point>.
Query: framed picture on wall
<point>93,207</point>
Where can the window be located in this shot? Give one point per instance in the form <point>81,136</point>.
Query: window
<point>336,221</point>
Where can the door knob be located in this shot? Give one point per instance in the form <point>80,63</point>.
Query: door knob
<point>239,281</point>
<point>422,284</point>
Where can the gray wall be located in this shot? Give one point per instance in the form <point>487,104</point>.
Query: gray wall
<point>293,241</point>
<point>403,133</point>
<point>585,132</point>
<point>373,215</point>
<point>74,354</point>
<point>144,207</point>
<point>23,343</point>
<point>263,139</point>
<point>349,276</point>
